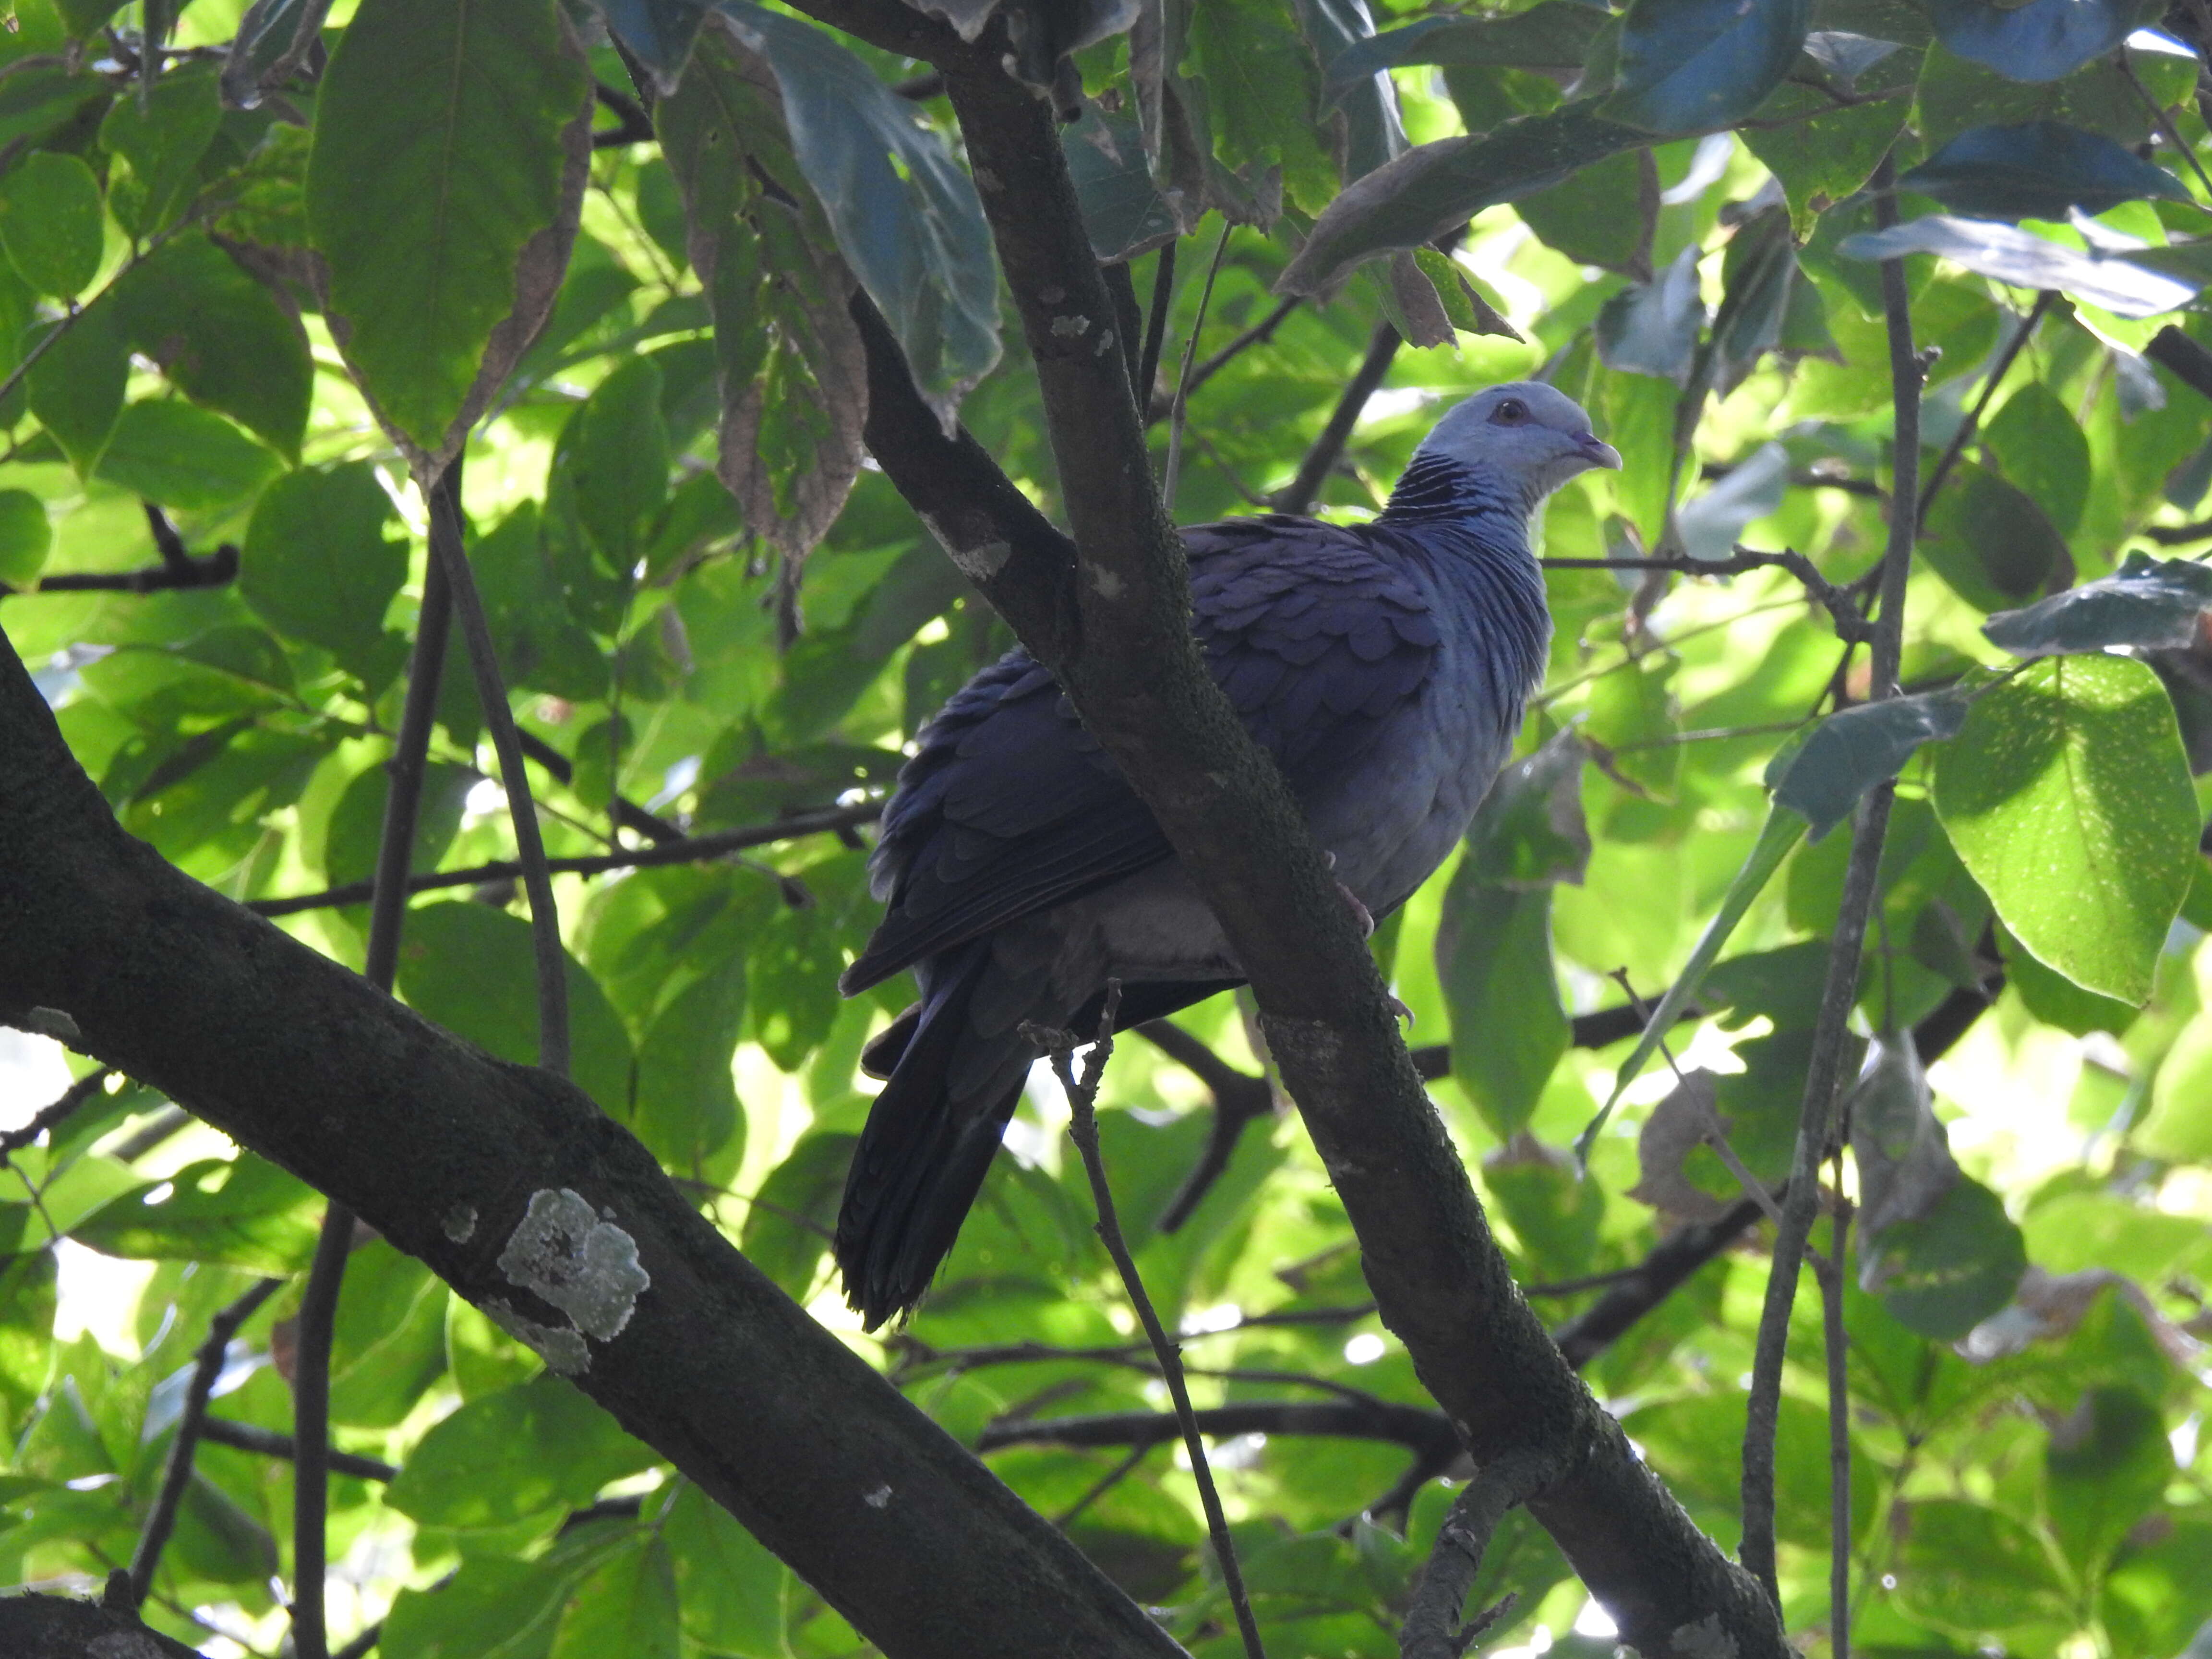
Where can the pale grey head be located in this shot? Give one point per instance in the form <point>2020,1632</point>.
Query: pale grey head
<point>1525,437</point>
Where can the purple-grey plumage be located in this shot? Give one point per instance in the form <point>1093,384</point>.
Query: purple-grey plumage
<point>1384,666</point>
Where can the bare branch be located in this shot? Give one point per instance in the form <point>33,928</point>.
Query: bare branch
<point>1305,489</point>
<point>552,976</point>
<point>1940,473</point>
<point>690,849</point>
<point>1156,335</point>
<point>1824,1069</point>
<point>1432,1628</point>
<point>176,1472</point>
<point>1083,1130</point>
<point>55,1113</point>
<point>245,1437</point>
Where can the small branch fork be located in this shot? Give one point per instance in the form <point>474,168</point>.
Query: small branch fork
<point>177,1473</point>
<point>1432,1629</point>
<point>1851,625</point>
<point>1082,1129</point>
<point>179,568</point>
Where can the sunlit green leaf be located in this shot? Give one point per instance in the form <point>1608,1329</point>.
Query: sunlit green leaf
<point>2067,797</point>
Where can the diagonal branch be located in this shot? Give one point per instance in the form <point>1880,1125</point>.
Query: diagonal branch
<point>444,1150</point>
<point>1131,667</point>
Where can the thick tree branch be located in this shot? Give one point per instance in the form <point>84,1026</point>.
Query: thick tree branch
<point>1133,670</point>
<point>35,1626</point>
<point>443,1149</point>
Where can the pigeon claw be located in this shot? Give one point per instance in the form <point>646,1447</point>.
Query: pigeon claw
<point>1359,912</point>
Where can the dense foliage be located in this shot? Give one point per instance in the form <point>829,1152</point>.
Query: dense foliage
<point>267,269</point>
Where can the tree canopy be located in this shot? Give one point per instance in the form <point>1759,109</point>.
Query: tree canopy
<point>489,494</point>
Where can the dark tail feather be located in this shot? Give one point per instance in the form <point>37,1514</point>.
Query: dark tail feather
<point>925,1149</point>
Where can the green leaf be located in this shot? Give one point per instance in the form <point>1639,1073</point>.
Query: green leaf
<point>617,454</point>
<point>542,644</point>
<point>319,566</point>
<point>1694,65</point>
<point>1849,753</point>
<point>25,536</point>
<point>1904,1157</point>
<point>1554,35</point>
<point>907,218</point>
<point>1990,541</point>
<point>1821,161</point>
<point>51,222</point>
<point>1600,216</point>
<point>1260,85</point>
<point>686,1108</point>
<point>161,135</point>
<point>2037,40</point>
<point>36,97</point>
<point>1780,833</point>
<point>2037,171</point>
<point>2057,1000</point>
<point>1371,131</point>
<point>492,1607</point>
<point>470,968</point>
<point>731,1590</point>
<point>1971,1570</point>
<point>1529,830</point>
<point>390,1342</point>
<point>244,1213</point>
<point>1494,961</point>
<point>1942,1272</point>
<point>793,373</point>
<point>790,1220</point>
<point>2150,605</point>
<point>2068,798</point>
<point>1651,328</point>
<point>2008,254</point>
<point>659,32</point>
<point>2040,447</point>
<point>76,388</point>
<point>221,336</point>
<point>535,1450</point>
<point>1124,213</point>
<point>436,192</point>
<point>2107,1464</point>
<point>181,456</point>
<point>1435,187</point>
<point>357,823</point>
<point>626,1606</point>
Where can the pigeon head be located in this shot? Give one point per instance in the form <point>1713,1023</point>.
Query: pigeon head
<point>1522,440</point>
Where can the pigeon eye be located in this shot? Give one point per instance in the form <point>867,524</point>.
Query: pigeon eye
<point>1511,412</point>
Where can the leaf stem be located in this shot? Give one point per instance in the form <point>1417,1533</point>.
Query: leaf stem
<point>1182,407</point>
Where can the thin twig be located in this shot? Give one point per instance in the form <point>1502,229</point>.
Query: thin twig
<point>2167,131</point>
<point>693,849</point>
<point>1834,1340</point>
<point>1830,1034</point>
<point>176,1472</point>
<point>1182,407</point>
<point>388,889</point>
<point>1156,332</point>
<point>1082,1129</point>
<point>51,1114</point>
<point>1850,623</point>
<point>1940,474</point>
<point>1105,1483</point>
<point>1432,1628</point>
<point>634,124</point>
<point>269,1442</point>
<point>446,546</point>
<point>1259,334</point>
<point>1298,495</point>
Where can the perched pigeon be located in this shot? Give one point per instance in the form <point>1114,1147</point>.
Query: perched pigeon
<point>1384,666</point>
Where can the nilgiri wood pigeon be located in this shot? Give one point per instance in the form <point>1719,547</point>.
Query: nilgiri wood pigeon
<point>1383,666</point>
